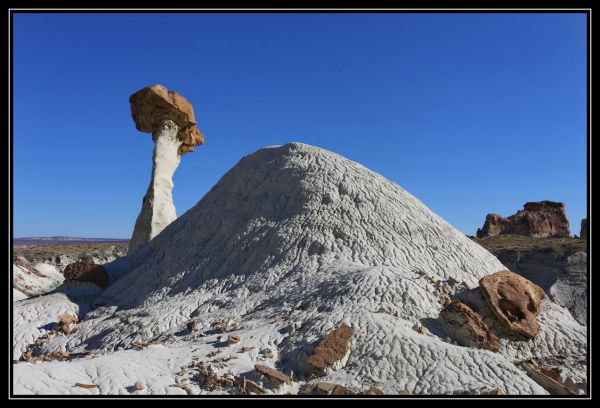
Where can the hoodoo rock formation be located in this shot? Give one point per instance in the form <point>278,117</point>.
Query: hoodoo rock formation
<point>170,119</point>
<point>537,219</point>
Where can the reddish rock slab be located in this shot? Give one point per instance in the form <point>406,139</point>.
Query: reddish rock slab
<point>333,350</point>
<point>273,374</point>
<point>514,300</point>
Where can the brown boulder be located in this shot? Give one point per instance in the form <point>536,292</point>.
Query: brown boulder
<point>537,219</point>
<point>86,272</point>
<point>333,350</point>
<point>154,104</point>
<point>514,300</point>
<point>465,326</point>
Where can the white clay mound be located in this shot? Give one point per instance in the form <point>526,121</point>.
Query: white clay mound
<point>291,242</point>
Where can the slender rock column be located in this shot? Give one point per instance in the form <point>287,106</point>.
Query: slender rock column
<point>158,209</point>
<point>170,118</point>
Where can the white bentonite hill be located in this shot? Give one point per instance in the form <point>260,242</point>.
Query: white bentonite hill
<point>290,243</point>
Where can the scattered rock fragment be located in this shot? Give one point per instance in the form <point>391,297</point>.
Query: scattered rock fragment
<point>208,377</point>
<point>81,385</point>
<point>66,322</point>
<point>138,386</point>
<point>419,328</point>
<point>267,353</point>
<point>550,379</point>
<point>248,387</point>
<point>322,388</point>
<point>373,391</point>
<point>191,326</point>
<point>215,352</point>
<point>465,326</point>
<point>233,339</point>
<point>272,375</point>
<point>514,300</point>
<point>334,350</point>
<point>217,327</point>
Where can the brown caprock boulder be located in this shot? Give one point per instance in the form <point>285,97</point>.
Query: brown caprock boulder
<point>514,300</point>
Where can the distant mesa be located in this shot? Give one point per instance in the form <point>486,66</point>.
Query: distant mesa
<point>61,240</point>
<point>539,219</point>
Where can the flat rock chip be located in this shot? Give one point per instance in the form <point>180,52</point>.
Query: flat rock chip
<point>465,326</point>
<point>334,347</point>
<point>373,391</point>
<point>514,300</point>
<point>272,373</point>
<point>323,388</point>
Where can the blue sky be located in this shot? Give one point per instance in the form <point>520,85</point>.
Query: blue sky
<point>471,113</point>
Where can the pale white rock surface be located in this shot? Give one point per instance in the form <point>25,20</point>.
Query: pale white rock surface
<point>158,209</point>
<point>34,279</point>
<point>290,243</point>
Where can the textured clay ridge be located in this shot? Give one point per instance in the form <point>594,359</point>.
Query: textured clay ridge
<point>514,300</point>
<point>334,348</point>
<point>465,326</point>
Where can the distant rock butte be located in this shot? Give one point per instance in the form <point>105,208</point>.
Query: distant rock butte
<point>537,219</point>
<point>584,229</point>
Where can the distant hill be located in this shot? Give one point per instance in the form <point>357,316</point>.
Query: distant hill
<point>26,241</point>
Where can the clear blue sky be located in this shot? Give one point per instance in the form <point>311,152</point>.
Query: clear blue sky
<point>471,113</point>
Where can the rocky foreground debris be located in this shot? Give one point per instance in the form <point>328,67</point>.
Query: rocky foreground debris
<point>300,232</point>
